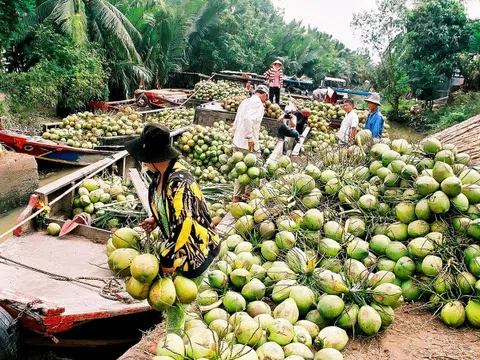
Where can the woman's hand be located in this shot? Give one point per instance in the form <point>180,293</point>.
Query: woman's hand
<point>149,224</point>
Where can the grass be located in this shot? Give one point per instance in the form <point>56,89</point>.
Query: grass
<point>464,107</point>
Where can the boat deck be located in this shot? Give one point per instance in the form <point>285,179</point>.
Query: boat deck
<point>55,305</point>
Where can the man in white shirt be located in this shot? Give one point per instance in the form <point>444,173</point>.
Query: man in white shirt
<point>349,126</point>
<point>246,129</point>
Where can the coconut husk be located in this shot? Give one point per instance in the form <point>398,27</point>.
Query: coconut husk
<point>465,136</point>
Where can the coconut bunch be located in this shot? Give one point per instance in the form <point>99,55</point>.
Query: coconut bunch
<point>273,111</point>
<point>84,129</point>
<point>134,256</point>
<point>244,167</point>
<point>232,103</point>
<point>209,90</point>
<point>202,148</point>
<point>110,201</point>
<point>267,143</point>
<point>173,118</point>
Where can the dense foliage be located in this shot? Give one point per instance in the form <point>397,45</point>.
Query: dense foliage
<point>64,75</point>
<point>408,51</point>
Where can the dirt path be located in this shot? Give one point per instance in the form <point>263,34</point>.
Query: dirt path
<point>415,335</point>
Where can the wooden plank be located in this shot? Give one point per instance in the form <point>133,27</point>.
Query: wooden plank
<point>298,147</point>
<point>141,189</point>
<point>225,225</point>
<point>276,153</point>
<point>79,174</point>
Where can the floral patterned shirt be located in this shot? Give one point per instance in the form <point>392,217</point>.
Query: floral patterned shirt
<point>180,210</point>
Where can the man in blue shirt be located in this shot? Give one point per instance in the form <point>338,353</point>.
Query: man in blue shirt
<point>374,119</point>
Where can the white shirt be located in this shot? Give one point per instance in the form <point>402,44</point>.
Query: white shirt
<point>247,123</point>
<point>348,123</point>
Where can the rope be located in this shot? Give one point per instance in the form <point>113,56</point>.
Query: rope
<point>56,199</point>
<point>112,288</point>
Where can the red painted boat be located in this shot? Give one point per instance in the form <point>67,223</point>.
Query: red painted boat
<point>50,150</point>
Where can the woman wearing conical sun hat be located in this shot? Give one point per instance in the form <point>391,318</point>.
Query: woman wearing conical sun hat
<point>274,77</point>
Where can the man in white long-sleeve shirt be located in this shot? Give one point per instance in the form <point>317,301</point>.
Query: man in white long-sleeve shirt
<point>246,129</point>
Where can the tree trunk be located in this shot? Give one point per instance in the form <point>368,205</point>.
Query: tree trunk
<point>396,106</point>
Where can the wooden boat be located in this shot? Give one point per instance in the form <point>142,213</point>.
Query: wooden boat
<point>56,285</point>
<point>50,150</point>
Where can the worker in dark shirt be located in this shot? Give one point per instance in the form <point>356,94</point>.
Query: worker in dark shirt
<point>302,118</point>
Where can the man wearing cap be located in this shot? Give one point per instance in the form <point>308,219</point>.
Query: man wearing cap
<point>375,120</point>
<point>348,128</point>
<point>274,76</point>
<point>246,129</point>
<point>188,242</point>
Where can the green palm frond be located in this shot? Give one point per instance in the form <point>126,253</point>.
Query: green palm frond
<point>112,21</point>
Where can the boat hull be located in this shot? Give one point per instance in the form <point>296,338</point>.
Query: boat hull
<point>50,150</point>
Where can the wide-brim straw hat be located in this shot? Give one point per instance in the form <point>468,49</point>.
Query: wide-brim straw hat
<point>153,145</point>
<point>374,98</point>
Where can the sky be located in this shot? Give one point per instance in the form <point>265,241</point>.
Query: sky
<point>334,16</point>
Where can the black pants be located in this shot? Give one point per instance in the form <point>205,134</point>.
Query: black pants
<point>274,92</point>
<point>284,130</point>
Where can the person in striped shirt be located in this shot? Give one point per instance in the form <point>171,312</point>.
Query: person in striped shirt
<point>274,76</point>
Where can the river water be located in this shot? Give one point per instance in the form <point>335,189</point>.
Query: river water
<point>48,174</point>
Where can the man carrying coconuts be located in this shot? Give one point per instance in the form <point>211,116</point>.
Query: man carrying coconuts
<point>188,243</point>
<point>246,130</point>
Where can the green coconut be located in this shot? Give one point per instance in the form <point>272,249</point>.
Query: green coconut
<point>330,306</point>
<point>395,250</point>
<point>270,351</point>
<point>404,268</point>
<point>466,282</point>
<point>474,229</point>
<point>215,314</point>
<point>120,260</point>
<point>298,349</point>
<point>387,294</point>
<point>125,238</point>
<point>432,145</point>
<point>357,249</point>
<point>328,354</point>
<point>470,176</point>
<point>239,277</point>
<point>333,230</point>
<point>248,332</point>
<point>472,192</point>
<point>386,314</point>
<point>287,309</point>
<point>313,219</point>
<point>303,297</point>
<point>162,294</point>
<point>234,302</point>
<point>451,186</point>
<point>410,290</point>
<point>472,311</point>
<point>280,331</point>
<point>426,185</point>
<point>378,244</point>
<point>420,247</point>
<point>397,231</point>
<point>281,290</point>
<point>332,337</point>
<point>460,202</point>
<point>432,265</point>
<point>405,212</point>
<point>311,328</point>
<point>369,321</point>
<point>453,314</point>
<point>439,202</point>
<point>329,247</point>
<point>418,228</point>
<point>348,318</point>
<point>380,277</point>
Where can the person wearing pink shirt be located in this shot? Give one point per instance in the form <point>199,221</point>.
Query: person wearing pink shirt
<point>274,76</point>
